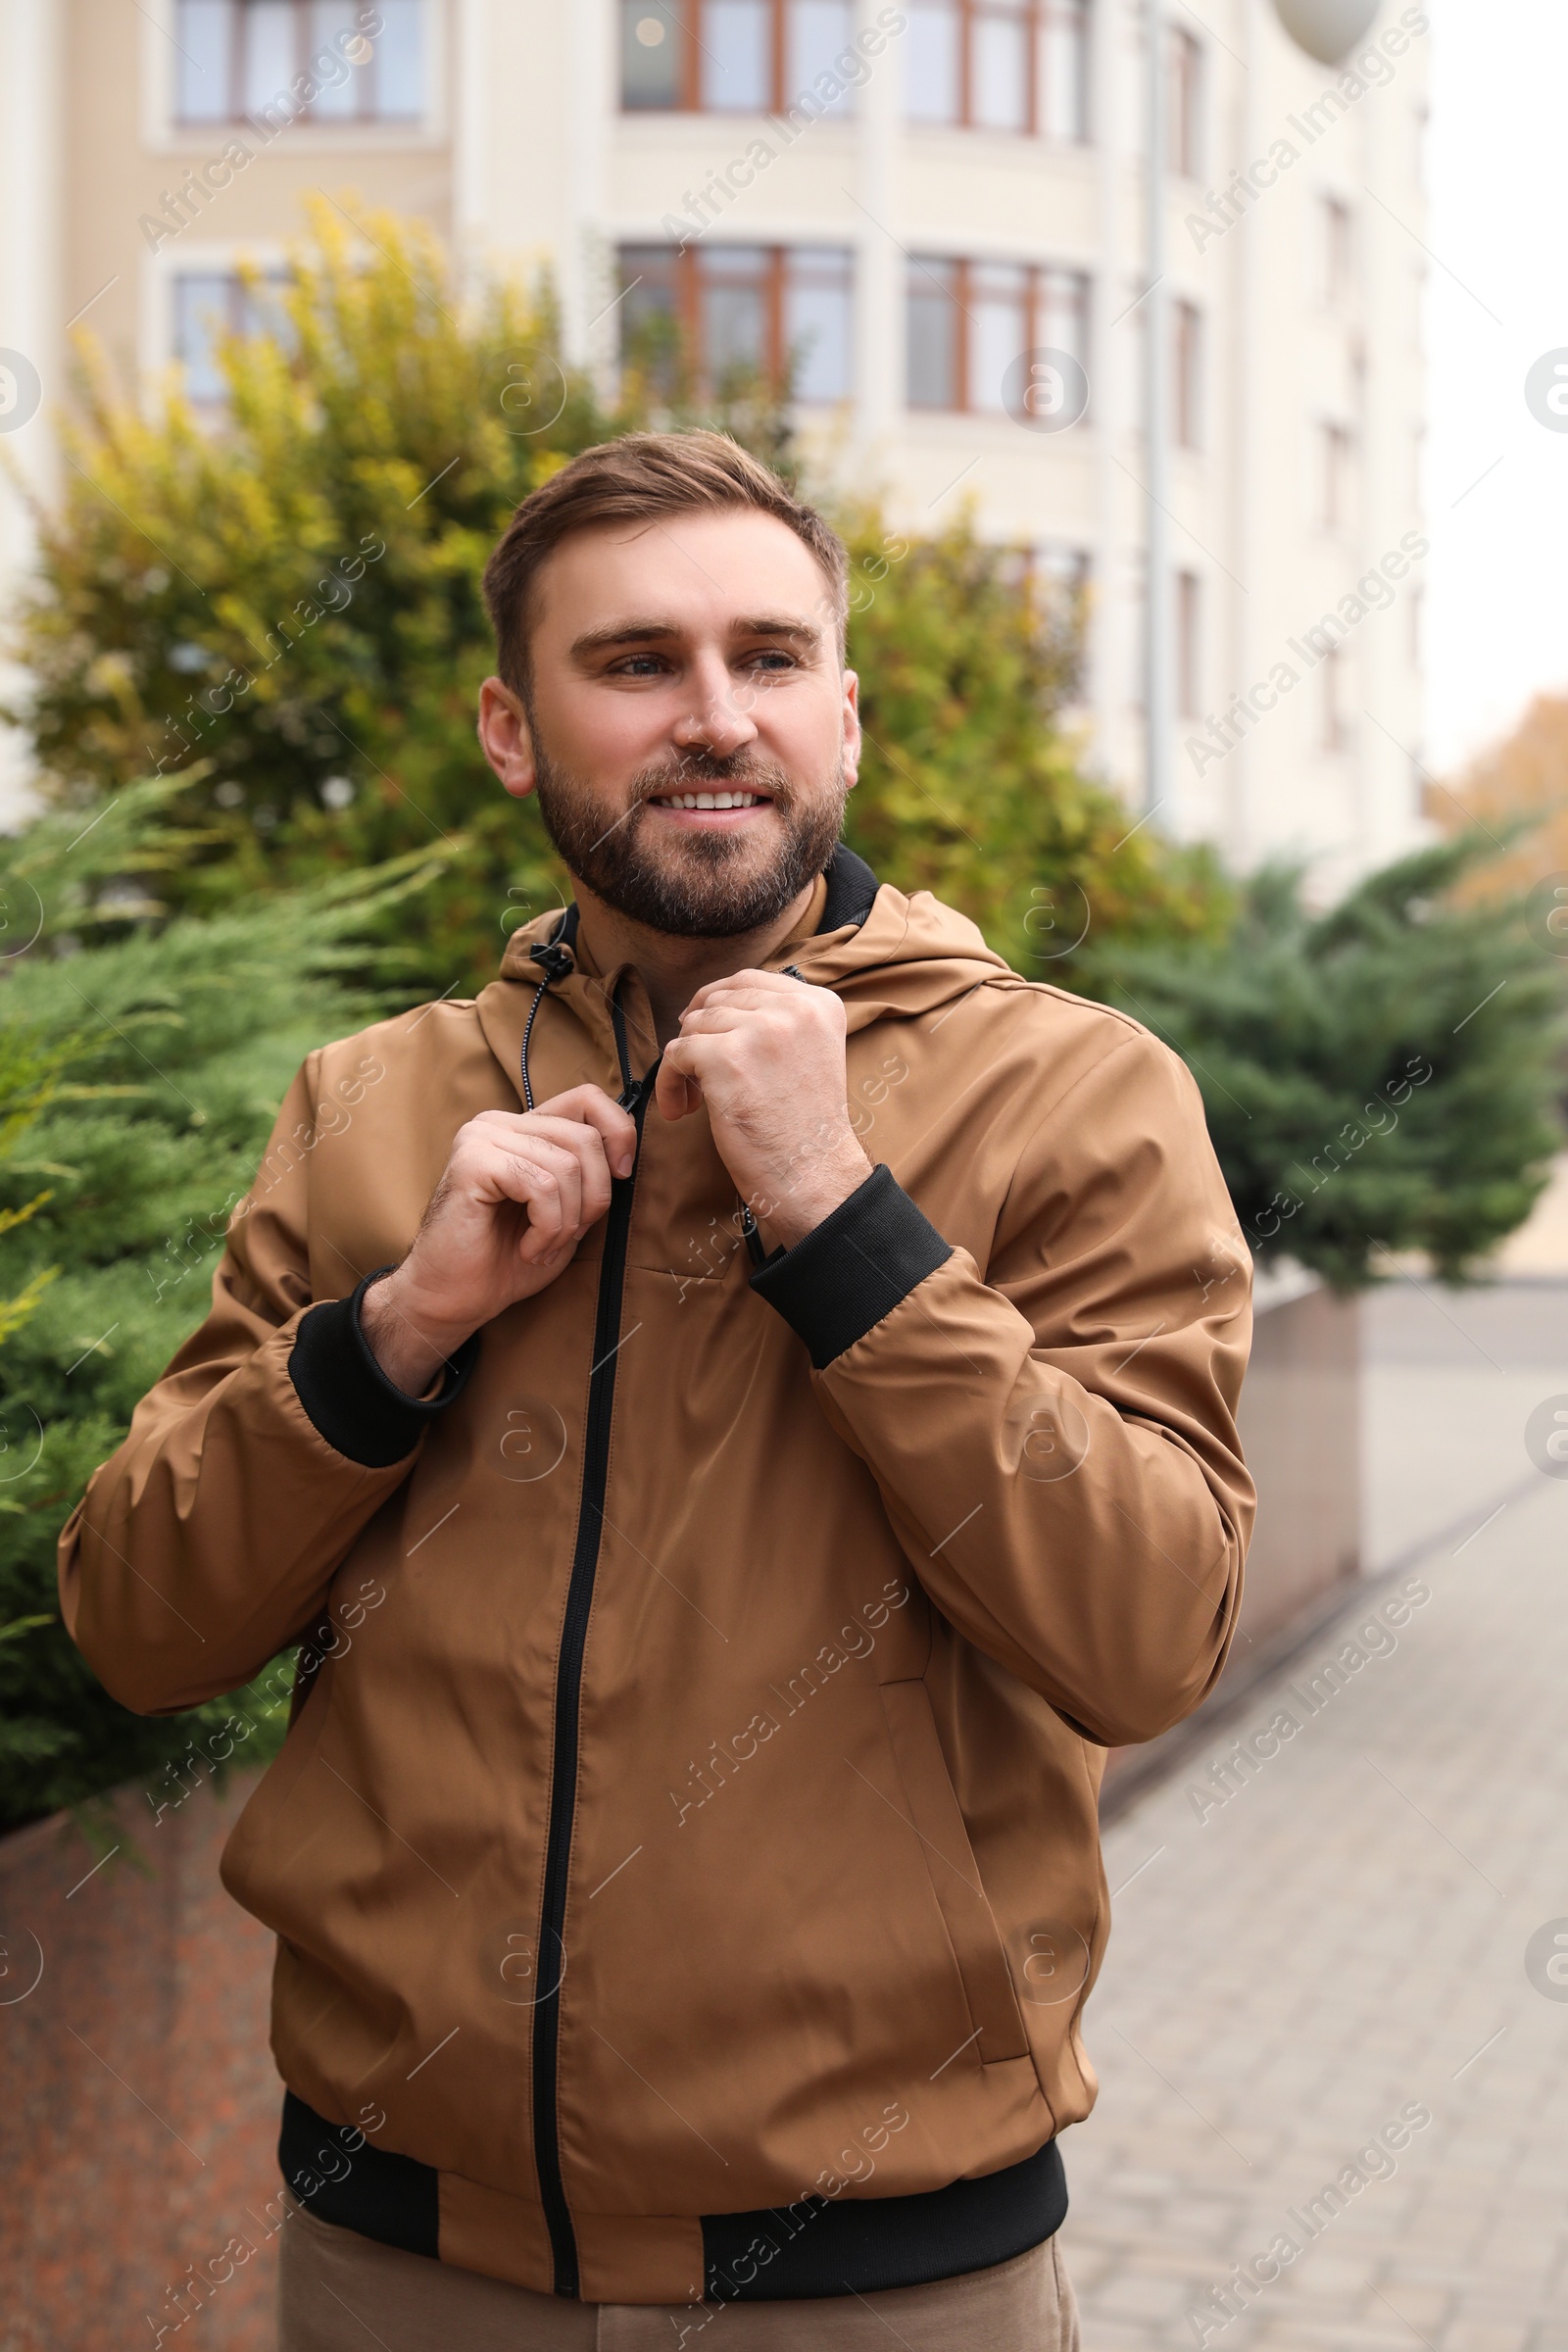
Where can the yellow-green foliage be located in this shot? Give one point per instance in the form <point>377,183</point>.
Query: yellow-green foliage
<point>294,600</point>
<point>971,787</point>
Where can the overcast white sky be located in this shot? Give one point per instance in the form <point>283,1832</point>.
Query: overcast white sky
<point>1498,602</point>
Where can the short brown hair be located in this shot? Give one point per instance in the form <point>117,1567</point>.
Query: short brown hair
<point>636,479</point>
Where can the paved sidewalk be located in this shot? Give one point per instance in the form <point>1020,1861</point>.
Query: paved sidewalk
<point>1337,1945</point>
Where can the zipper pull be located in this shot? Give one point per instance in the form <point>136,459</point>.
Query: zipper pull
<point>637,1093</point>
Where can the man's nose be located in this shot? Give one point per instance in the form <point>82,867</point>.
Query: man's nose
<point>716,720</point>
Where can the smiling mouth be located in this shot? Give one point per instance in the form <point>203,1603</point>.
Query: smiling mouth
<point>711,800</point>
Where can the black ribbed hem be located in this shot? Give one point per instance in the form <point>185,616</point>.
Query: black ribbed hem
<point>854,1268</point>
<point>343,2178</point>
<point>863,2245</point>
<point>347,1395</point>
<point>784,2253</point>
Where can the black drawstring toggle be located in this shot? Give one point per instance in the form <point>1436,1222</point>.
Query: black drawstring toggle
<point>554,962</point>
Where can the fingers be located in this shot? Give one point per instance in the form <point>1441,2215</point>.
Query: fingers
<point>745,996</point>
<point>756,990</point>
<point>593,1108</point>
<point>556,1168</point>
<point>550,1181</point>
<point>714,1020</point>
<point>677,1090</point>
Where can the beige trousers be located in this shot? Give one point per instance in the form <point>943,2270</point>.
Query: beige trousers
<point>330,2279</point>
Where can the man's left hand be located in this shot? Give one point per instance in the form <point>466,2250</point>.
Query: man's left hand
<point>765,1053</point>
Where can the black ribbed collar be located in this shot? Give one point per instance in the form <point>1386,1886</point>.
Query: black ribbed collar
<point>852,889</point>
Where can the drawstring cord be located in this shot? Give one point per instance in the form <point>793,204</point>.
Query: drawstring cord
<point>555,959</point>
<point>527,1032</point>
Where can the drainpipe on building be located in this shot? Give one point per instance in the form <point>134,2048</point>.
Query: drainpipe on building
<point>1159,718</point>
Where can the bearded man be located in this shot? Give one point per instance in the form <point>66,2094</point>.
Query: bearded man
<point>743,1416</point>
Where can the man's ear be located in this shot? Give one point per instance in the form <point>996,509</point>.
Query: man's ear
<point>506,737</point>
<point>852,730</point>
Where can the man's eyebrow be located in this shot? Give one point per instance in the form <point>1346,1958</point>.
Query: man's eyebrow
<point>623,632</point>
<point>635,631</point>
<point>778,624</point>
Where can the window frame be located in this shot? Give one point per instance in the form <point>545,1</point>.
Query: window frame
<point>1080,13</point>
<point>1037,304</point>
<point>971,14</point>
<point>270,261</point>
<point>1039,17</point>
<point>1066,568</point>
<point>1188,647</point>
<point>1188,359</point>
<point>1336,474</point>
<point>1335,221</point>
<point>684,265</point>
<point>1187,82</point>
<point>685,20</point>
<point>1333,726</point>
<point>184,128</point>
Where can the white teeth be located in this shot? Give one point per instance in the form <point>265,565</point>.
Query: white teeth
<point>713,800</point>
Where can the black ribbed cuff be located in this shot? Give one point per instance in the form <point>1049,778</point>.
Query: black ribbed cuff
<point>854,1268</point>
<point>347,1395</point>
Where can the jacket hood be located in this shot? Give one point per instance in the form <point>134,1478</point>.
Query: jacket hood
<point>887,955</point>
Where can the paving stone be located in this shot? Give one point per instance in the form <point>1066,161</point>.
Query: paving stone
<point>1326,1948</point>
<point>1426,2305</point>
<point>1492,2336</point>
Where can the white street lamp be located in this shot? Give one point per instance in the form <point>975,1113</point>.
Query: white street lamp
<point>1327,29</point>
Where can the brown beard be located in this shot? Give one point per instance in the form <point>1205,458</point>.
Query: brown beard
<point>704,887</point>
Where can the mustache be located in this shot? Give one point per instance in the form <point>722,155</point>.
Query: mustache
<point>697,767</point>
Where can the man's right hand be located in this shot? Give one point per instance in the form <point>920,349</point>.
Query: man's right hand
<point>518,1193</point>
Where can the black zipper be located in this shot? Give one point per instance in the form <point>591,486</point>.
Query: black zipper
<point>634,1097</point>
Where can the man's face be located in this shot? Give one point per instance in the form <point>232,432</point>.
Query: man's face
<point>688,731</point>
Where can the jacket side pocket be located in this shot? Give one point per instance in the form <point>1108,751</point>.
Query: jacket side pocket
<point>955,1877</point>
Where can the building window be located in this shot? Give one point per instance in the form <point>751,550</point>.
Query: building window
<point>1186,84</point>
<point>1066,569</point>
<point>1064,101</point>
<point>739,311</point>
<point>1331,671</point>
<point>1334,465</point>
<point>1189,646</point>
<point>306,59</point>
<point>738,56</point>
<point>1335,258</point>
<point>1063,574</point>
<point>210,304</point>
<point>1186,388</point>
<point>652,58</point>
<point>967,321</point>
<point>999,65</point>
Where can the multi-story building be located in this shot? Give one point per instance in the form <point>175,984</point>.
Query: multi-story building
<point>935,212</point>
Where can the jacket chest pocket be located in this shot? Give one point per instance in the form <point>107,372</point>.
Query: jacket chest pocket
<point>955,1877</point>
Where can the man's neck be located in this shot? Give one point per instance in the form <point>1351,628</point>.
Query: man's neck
<point>673,969</point>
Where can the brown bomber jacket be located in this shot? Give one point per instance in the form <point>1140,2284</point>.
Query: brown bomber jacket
<point>684,1855</point>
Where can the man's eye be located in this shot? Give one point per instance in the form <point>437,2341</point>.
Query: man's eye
<point>638,666</point>
<point>773,658</point>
